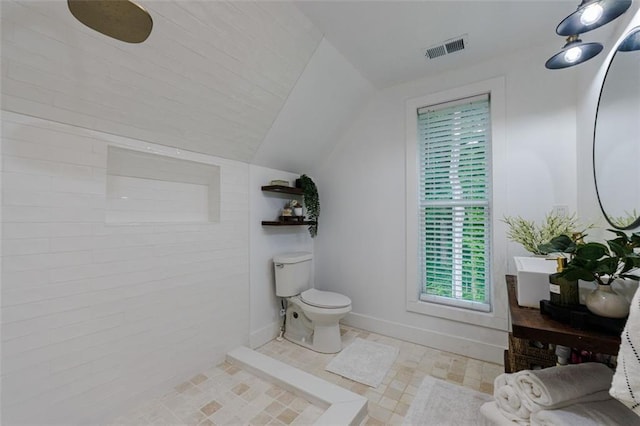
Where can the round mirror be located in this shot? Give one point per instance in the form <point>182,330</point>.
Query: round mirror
<point>616,142</point>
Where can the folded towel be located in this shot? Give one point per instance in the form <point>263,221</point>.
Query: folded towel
<point>608,412</point>
<point>626,380</point>
<point>492,413</point>
<point>559,386</point>
<point>508,401</point>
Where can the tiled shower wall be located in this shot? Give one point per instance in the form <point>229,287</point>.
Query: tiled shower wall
<point>95,316</point>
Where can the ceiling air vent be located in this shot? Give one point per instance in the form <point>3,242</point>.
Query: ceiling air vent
<point>453,45</point>
<point>434,52</point>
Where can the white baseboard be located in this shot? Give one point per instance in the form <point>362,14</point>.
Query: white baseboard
<point>264,334</point>
<point>471,348</point>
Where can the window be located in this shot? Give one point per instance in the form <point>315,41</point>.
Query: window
<point>454,202</point>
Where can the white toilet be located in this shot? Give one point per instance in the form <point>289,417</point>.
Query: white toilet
<point>312,315</point>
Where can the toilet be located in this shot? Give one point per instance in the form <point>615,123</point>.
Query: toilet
<point>312,316</point>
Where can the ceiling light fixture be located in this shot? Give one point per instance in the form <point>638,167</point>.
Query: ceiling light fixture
<point>592,14</point>
<point>121,19</point>
<point>573,53</point>
<point>631,42</point>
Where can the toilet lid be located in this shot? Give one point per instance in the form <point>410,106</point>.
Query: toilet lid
<point>324,299</point>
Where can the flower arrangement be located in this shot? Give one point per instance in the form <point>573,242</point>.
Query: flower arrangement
<point>534,237</point>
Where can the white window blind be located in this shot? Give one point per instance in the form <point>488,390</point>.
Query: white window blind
<point>454,196</point>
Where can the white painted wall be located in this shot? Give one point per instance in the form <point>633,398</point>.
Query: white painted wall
<point>360,250</point>
<point>326,98</point>
<point>266,242</point>
<point>97,316</point>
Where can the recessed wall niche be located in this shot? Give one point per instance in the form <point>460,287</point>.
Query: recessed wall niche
<point>144,187</point>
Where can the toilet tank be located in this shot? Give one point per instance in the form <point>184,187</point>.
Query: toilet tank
<point>293,273</point>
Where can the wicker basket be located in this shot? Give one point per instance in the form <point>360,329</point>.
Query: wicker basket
<point>523,355</point>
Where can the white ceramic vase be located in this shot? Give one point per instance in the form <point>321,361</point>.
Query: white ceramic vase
<point>297,211</point>
<point>604,301</point>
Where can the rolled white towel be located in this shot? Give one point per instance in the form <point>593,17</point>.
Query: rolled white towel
<point>592,397</point>
<point>508,401</point>
<point>492,413</point>
<point>503,380</point>
<point>608,412</point>
<point>559,386</point>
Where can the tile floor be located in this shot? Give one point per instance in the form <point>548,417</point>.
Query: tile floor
<point>225,395</point>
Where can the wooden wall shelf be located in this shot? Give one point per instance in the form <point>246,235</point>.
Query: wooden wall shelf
<point>288,223</point>
<point>530,323</point>
<point>282,189</point>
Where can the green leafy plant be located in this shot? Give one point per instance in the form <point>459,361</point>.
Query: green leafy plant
<point>599,262</point>
<point>311,202</point>
<point>563,244</point>
<point>533,237</point>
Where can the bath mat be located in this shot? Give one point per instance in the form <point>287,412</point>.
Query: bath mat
<point>364,361</point>
<point>444,404</point>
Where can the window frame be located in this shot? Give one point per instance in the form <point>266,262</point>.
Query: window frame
<point>497,317</point>
<point>485,202</point>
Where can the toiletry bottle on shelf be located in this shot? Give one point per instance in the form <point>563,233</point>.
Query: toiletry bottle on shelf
<point>563,353</point>
<point>562,292</point>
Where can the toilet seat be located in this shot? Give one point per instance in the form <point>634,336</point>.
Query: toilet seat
<point>324,299</point>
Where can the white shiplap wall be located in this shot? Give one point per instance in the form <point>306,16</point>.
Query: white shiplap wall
<point>95,316</point>
<point>211,77</point>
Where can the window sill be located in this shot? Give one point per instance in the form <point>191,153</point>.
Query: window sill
<point>483,319</point>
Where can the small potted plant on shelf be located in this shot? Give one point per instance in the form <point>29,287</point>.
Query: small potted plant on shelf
<point>296,207</point>
<point>311,202</point>
<point>602,264</point>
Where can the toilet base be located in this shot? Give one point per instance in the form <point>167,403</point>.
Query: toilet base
<point>324,339</point>
<point>297,340</point>
<point>314,328</point>
<point>299,329</point>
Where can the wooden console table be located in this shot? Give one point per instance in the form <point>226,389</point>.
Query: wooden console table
<point>529,323</point>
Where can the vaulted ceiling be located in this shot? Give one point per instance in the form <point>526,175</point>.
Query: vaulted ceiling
<point>271,83</point>
<point>212,76</point>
